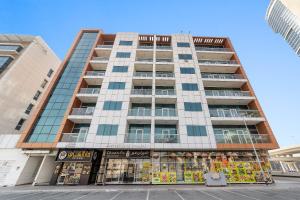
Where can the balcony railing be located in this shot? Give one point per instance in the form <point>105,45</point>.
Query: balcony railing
<point>219,112</point>
<point>164,74</point>
<point>95,73</point>
<point>101,58</point>
<point>74,137</point>
<point>227,93</point>
<point>236,138</point>
<point>144,59</point>
<point>145,47</point>
<point>218,62</point>
<point>165,92</point>
<point>136,137</point>
<point>212,49</point>
<point>83,111</point>
<point>164,60</point>
<point>164,47</point>
<point>89,91</point>
<point>141,91</point>
<point>166,138</point>
<point>104,46</point>
<point>139,112</point>
<point>165,112</point>
<point>143,74</point>
<point>222,76</point>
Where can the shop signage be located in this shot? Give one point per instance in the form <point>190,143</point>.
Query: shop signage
<point>127,154</point>
<point>75,155</point>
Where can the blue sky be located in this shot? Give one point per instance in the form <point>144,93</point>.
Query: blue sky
<point>272,67</point>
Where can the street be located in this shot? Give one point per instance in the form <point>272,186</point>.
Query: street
<point>284,188</point>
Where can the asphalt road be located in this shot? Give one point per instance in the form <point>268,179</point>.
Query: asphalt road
<point>284,188</point>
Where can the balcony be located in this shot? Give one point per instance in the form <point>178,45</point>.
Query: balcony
<point>94,77</point>
<point>164,60</point>
<point>143,74</point>
<point>141,91</point>
<point>164,75</point>
<point>228,97</point>
<point>145,47</point>
<point>74,137</point>
<point>139,112</point>
<point>104,46</point>
<point>81,115</point>
<point>166,138</point>
<point>218,66</point>
<point>214,53</point>
<point>144,59</point>
<point>88,95</point>
<point>222,116</point>
<point>165,92</point>
<point>161,47</point>
<point>223,80</point>
<point>137,137</point>
<point>165,112</point>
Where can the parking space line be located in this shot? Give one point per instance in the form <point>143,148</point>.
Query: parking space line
<point>54,195</point>
<point>243,195</point>
<point>283,197</point>
<point>148,194</point>
<point>82,196</point>
<point>213,196</point>
<point>21,196</point>
<point>116,195</point>
<point>179,195</point>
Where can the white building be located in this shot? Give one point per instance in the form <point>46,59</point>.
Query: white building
<point>27,65</point>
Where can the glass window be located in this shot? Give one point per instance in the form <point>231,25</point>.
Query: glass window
<point>192,106</point>
<point>20,123</point>
<point>125,43</point>
<point>44,83</point>
<point>4,62</point>
<point>29,108</point>
<point>107,129</point>
<point>112,105</point>
<point>116,85</point>
<point>183,44</point>
<point>121,69</point>
<point>17,48</point>
<point>123,55</point>
<point>187,70</point>
<point>194,130</point>
<point>37,95</point>
<point>189,86</point>
<point>185,56</point>
<point>50,72</point>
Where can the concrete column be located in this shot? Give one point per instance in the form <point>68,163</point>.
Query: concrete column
<point>45,171</point>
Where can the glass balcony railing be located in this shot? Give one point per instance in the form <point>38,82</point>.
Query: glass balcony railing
<point>164,47</point>
<point>144,59</point>
<point>104,46</point>
<point>83,111</point>
<point>212,49</point>
<point>139,112</point>
<point>143,74</point>
<point>165,112</point>
<point>166,138</point>
<point>89,91</point>
<point>226,136</point>
<point>74,137</point>
<point>164,74</point>
<point>141,91</point>
<point>95,73</point>
<point>100,58</point>
<point>233,113</point>
<point>218,62</point>
<point>227,93</point>
<point>145,47</point>
<point>222,76</point>
<point>164,60</point>
<point>165,92</point>
<point>137,137</point>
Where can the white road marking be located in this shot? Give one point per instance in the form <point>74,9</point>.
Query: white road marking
<point>82,196</point>
<point>283,197</point>
<point>116,195</point>
<point>148,194</point>
<point>243,195</point>
<point>213,196</point>
<point>179,195</point>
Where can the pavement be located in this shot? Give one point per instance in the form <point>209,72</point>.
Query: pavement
<point>284,188</point>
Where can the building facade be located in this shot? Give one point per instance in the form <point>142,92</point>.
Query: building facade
<point>152,109</point>
<point>284,18</point>
<point>27,65</point>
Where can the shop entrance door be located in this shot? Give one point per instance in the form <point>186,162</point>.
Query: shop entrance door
<point>129,170</point>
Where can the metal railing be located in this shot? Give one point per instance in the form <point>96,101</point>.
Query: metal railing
<point>144,59</point>
<point>165,92</point>
<point>136,137</point>
<point>220,112</point>
<point>139,112</point>
<point>104,46</point>
<point>141,91</point>
<point>89,91</point>
<point>212,49</point>
<point>166,138</point>
<point>227,93</point>
<point>101,58</point>
<point>164,60</point>
<point>164,74</point>
<point>145,47</point>
<point>236,138</point>
<point>165,112</point>
<point>143,74</point>
<point>222,76</point>
<point>83,111</point>
<point>74,137</point>
<point>95,73</point>
<point>164,47</point>
<point>218,62</point>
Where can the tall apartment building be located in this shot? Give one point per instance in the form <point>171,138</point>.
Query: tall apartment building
<point>27,65</point>
<point>284,18</point>
<point>159,109</point>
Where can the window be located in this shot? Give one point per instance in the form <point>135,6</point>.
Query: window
<point>116,85</point>
<point>123,55</point>
<point>44,83</point>
<point>121,69</point>
<point>112,105</point>
<point>4,62</point>
<point>194,130</point>
<point>183,44</point>
<point>187,70</point>
<point>125,43</point>
<point>37,95</point>
<point>17,48</point>
<point>189,86</point>
<point>29,108</point>
<point>185,56</point>
<point>50,72</point>
<point>20,123</point>
<point>192,106</point>
<point>107,129</point>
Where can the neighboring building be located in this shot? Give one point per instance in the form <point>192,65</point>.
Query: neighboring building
<point>27,65</point>
<point>284,18</point>
<point>286,161</point>
<point>136,108</point>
